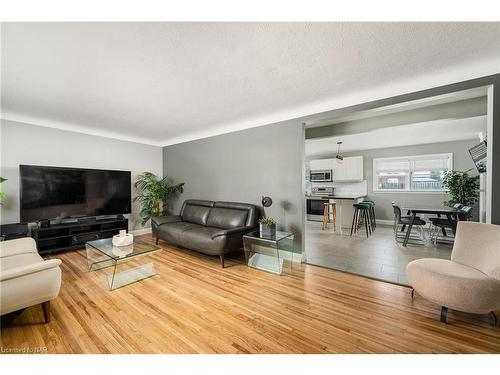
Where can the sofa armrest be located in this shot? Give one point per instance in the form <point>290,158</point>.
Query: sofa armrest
<point>28,269</point>
<point>160,220</point>
<point>18,246</point>
<point>228,232</point>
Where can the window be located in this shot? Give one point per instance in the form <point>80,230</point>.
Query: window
<point>411,173</point>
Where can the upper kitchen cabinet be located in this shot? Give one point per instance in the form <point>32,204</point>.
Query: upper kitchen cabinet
<point>321,164</point>
<point>350,170</point>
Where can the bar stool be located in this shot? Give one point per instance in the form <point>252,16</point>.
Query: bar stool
<point>372,213</point>
<point>361,211</point>
<point>329,208</point>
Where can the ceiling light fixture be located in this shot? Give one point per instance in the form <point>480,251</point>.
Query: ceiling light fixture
<point>339,158</point>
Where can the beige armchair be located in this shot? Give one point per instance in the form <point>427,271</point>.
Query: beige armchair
<point>470,281</point>
<point>25,278</point>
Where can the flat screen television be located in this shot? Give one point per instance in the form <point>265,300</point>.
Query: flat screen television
<point>57,193</point>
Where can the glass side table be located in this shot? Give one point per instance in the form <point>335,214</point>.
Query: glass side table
<point>269,253</point>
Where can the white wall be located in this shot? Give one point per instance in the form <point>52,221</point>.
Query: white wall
<point>29,144</point>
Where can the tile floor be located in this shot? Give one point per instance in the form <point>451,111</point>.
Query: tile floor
<point>378,256</point>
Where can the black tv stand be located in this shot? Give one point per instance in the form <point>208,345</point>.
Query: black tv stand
<point>70,236</point>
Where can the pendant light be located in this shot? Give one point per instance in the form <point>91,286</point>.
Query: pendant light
<point>339,158</point>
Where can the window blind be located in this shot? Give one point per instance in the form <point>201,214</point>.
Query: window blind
<point>392,165</point>
<point>434,164</point>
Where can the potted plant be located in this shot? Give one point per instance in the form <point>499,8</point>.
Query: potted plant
<point>267,226</point>
<point>462,188</point>
<point>153,194</point>
<point>2,194</point>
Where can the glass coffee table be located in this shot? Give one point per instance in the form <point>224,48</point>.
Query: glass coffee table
<point>102,254</point>
<point>271,253</point>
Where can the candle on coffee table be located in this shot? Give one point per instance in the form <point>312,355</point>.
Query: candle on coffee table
<point>123,233</point>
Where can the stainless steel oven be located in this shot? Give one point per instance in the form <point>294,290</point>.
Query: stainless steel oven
<point>315,207</point>
<point>321,175</point>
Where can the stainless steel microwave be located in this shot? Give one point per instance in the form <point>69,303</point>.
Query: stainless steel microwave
<point>321,175</point>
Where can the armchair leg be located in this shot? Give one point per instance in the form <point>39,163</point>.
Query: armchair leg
<point>444,314</point>
<point>494,317</point>
<point>46,311</point>
<point>412,293</point>
<point>157,240</point>
<point>222,260</point>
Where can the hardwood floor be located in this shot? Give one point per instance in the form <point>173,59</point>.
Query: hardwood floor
<point>195,306</point>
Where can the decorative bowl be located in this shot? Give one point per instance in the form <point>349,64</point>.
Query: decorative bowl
<point>126,240</point>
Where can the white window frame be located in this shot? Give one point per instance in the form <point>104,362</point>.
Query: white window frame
<point>410,158</point>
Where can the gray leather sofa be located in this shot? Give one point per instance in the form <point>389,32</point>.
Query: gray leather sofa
<point>212,228</point>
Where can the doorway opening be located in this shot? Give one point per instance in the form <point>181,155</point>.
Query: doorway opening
<point>367,171</point>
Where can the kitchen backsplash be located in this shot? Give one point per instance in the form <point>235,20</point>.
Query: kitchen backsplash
<point>345,188</point>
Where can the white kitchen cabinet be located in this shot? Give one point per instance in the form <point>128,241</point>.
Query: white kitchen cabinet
<point>321,164</point>
<point>350,170</point>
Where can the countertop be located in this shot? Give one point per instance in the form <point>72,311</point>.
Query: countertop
<point>337,196</point>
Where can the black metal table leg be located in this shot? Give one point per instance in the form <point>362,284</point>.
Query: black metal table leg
<point>452,224</point>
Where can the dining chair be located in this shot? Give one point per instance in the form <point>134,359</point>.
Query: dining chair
<point>441,230</point>
<point>401,222</point>
<point>465,213</point>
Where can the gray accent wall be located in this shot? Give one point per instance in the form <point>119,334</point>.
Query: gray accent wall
<point>242,167</point>
<point>29,144</point>
<point>461,161</point>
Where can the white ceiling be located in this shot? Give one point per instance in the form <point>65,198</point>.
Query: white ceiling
<point>399,136</point>
<point>163,83</point>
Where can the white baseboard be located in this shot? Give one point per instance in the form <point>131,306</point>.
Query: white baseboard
<point>138,232</point>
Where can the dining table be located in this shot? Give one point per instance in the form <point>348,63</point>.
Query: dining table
<point>450,213</point>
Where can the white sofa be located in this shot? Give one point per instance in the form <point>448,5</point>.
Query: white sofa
<point>25,278</point>
<point>470,281</point>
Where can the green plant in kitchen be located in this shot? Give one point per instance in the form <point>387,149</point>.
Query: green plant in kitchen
<point>462,187</point>
<point>153,194</point>
<point>2,194</point>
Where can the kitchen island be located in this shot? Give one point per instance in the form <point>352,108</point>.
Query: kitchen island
<point>345,211</point>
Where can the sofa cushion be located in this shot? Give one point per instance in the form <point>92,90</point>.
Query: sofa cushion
<point>227,218</point>
<point>252,211</point>
<point>200,239</point>
<point>454,285</point>
<point>171,232</point>
<point>160,220</point>
<point>195,214</point>
<point>19,260</point>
